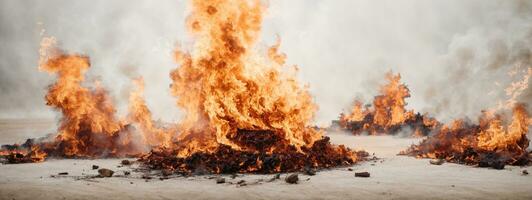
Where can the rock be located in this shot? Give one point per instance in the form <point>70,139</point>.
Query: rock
<point>105,172</point>
<point>436,161</point>
<point>127,173</point>
<point>362,174</point>
<point>62,173</point>
<point>95,167</point>
<point>241,183</point>
<point>498,165</point>
<point>126,162</point>
<point>524,172</point>
<point>349,169</point>
<point>146,176</point>
<point>167,172</point>
<point>277,176</point>
<point>292,179</point>
<point>220,180</point>
<point>310,171</point>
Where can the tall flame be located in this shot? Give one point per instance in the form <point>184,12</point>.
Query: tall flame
<point>89,127</point>
<point>224,84</point>
<point>153,134</point>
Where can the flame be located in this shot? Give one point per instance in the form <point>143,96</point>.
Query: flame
<point>88,127</point>
<point>245,111</point>
<point>139,113</point>
<point>388,114</point>
<point>224,84</point>
<point>491,143</point>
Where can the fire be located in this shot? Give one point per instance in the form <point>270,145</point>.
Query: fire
<point>225,84</point>
<point>139,113</point>
<point>244,112</point>
<point>492,143</point>
<point>496,140</point>
<point>388,114</point>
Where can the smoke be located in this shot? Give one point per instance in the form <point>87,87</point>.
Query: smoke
<point>454,55</point>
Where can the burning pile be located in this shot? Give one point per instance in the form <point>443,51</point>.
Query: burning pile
<point>493,142</point>
<point>88,128</point>
<point>244,112</point>
<point>388,114</point>
<point>497,140</point>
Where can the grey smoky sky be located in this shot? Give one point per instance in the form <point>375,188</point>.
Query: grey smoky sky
<point>454,54</point>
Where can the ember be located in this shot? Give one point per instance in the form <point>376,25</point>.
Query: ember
<point>387,115</point>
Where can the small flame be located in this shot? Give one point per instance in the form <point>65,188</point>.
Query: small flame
<point>388,114</point>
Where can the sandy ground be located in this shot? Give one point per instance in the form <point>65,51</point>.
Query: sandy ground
<point>392,177</point>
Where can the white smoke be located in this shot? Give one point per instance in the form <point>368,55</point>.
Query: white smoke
<point>454,55</point>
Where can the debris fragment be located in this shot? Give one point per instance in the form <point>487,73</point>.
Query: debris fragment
<point>62,173</point>
<point>349,169</point>
<point>233,176</point>
<point>524,172</point>
<point>127,173</point>
<point>292,179</point>
<point>95,167</point>
<point>167,172</point>
<point>220,180</point>
<point>362,174</point>
<point>240,182</point>
<point>437,161</point>
<point>126,162</point>
<point>146,176</point>
<point>310,171</point>
<point>103,172</point>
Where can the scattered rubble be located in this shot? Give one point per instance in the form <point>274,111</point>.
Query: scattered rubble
<point>167,172</point>
<point>362,174</point>
<point>126,162</point>
<point>436,161</point>
<point>103,172</point>
<point>220,180</point>
<point>310,171</point>
<point>292,179</point>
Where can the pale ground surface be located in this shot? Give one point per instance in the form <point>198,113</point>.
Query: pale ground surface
<point>397,177</point>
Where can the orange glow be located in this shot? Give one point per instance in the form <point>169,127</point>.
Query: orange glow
<point>387,114</point>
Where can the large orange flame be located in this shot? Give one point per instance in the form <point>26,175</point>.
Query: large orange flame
<point>245,112</point>
<point>89,127</point>
<point>224,84</point>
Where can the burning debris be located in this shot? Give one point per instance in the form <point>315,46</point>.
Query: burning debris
<point>493,143</point>
<point>244,112</point>
<point>387,115</point>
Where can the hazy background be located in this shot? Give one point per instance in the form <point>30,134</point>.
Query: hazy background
<point>454,55</point>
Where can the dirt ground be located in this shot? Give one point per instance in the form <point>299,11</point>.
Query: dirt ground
<point>392,177</point>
